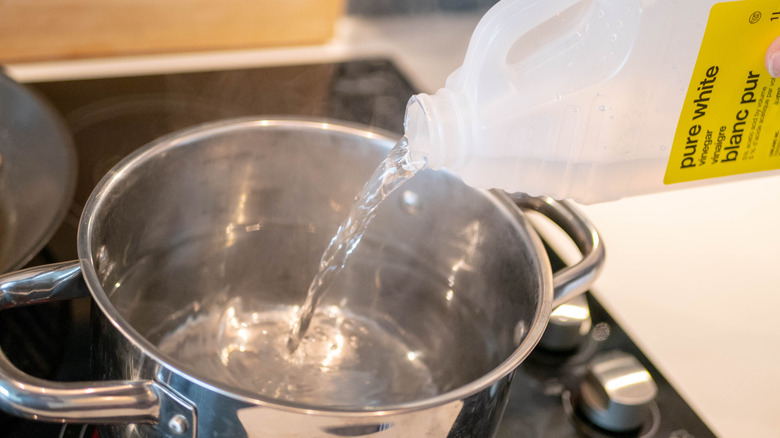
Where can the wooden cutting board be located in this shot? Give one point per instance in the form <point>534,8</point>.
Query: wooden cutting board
<point>37,30</point>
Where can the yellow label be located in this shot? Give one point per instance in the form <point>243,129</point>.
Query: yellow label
<point>730,121</point>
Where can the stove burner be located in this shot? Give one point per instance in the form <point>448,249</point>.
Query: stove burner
<point>112,128</point>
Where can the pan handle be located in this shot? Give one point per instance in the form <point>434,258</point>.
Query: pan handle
<point>576,279</point>
<point>22,395</point>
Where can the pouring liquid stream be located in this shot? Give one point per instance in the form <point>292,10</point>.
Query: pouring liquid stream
<point>397,168</point>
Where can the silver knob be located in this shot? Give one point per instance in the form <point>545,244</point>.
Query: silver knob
<point>617,391</point>
<point>569,324</point>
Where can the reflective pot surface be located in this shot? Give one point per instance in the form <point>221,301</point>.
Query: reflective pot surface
<point>199,248</point>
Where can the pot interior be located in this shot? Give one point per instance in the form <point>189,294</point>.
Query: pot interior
<point>205,245</point>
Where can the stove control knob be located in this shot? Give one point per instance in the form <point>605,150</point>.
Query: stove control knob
<point>568,326</point>
<point>616,392</point>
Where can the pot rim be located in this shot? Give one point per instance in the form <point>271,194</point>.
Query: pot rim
<point>186,136</point>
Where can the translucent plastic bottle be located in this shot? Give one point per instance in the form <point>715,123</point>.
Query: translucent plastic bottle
<point>584,99</point>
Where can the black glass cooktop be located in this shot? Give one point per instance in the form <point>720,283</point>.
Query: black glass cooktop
<point>111,117</point>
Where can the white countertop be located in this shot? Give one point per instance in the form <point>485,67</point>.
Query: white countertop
<point>691,275</point>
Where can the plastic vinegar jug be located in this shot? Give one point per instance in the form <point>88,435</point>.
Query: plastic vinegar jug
<point>594,100</point>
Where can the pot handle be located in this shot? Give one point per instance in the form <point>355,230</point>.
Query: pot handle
<point>29,397</point>
<point>576,279</point>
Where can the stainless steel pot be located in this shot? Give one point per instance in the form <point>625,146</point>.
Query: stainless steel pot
<point>243,209</point>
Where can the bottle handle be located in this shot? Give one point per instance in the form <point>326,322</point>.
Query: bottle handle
<point>497,32</point>
<point>586,45</point>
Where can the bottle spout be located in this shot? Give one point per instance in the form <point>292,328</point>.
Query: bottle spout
<point>435,130</point>
<point>417,130</point>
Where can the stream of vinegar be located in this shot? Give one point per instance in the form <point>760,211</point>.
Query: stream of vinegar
<point>397,168</point>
